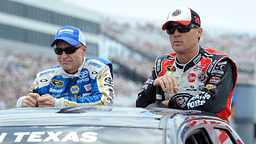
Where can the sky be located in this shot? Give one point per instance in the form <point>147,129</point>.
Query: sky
<point>237,16</point>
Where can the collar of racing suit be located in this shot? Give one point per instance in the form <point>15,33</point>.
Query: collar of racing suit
<point>196,59</point>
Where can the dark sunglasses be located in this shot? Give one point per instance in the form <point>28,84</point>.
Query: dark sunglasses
<point>180,28</point>
<point>68,50</point>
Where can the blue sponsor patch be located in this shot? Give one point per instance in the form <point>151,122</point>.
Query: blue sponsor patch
<point>74,89</point>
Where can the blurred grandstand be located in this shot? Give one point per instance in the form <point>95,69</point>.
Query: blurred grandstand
<point>131,48</point>
<point>150,41</point>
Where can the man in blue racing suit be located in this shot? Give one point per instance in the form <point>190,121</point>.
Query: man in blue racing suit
<point>77,81</point>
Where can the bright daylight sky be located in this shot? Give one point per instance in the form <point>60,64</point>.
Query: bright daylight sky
<point>227,15</point>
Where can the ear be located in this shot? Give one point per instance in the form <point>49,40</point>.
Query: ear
<point>200,31</point>
<point>85,49</point>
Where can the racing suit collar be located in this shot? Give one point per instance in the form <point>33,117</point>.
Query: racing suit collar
<point>196,59</point>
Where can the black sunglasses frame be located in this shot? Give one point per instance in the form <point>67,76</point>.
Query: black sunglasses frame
<point>68,50</point>
<point>180,28</point>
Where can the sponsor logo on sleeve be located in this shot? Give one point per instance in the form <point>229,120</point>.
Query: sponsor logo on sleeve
<point>158,65</point>
<point>182,99</point>
<point>95,64</point>
<point>198,100</point>
<point>211,66</point>
<point>214,80</point>
<point>108,80</point>
<point>221,65</point>
<point>210,87</point>
<point>43,80</point>
<point>111,92</point>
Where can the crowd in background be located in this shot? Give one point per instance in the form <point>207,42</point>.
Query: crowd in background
<point>153,42</point>
<point>19,70</point>
<point>140,67</point>
<point>17,74</point>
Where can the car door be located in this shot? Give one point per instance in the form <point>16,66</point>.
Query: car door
<point>207,131</point>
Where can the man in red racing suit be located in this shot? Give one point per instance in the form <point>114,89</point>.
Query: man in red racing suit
<point>206,83</point>
<point>192,78</point>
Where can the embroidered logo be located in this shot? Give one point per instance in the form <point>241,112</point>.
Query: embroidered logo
<point>176,13</point>
<point>171,68</point>
<point>74,89</point>
<point>191,77</point>
<point>88,87</point>
<point>202,77</point>
<point>57,83</point>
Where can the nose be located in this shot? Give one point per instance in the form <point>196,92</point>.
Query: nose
<point>176,33</point>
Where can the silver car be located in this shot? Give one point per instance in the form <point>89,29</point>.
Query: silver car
<point>115,125</point>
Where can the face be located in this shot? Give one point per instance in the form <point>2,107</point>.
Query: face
<point>187,42</point>
<point>71,62</point>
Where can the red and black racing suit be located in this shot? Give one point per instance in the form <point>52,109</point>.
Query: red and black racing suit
<point>206,82</point>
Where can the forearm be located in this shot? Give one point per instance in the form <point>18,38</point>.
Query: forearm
<point>146,96</point>
<point>68,103</point>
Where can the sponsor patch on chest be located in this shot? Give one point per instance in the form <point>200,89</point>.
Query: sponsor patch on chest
<point>57,83</point>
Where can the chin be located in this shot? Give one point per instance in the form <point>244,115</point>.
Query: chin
<point>65,67</point>
<point>178,49</point>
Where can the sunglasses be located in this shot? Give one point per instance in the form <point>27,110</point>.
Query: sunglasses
<point>180,28</point>
<point>68,50</point>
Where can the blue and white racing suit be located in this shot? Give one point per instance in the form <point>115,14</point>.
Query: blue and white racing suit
<point>91,85</point>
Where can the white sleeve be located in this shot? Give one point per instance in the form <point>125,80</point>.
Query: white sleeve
<point>66,103</point>
<point>18,104</point>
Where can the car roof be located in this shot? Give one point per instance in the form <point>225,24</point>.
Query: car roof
<point>97,116</point>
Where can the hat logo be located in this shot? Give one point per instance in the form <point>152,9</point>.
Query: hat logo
<point>197,20</point>
<point>66,31</point>
<point>176,13</point>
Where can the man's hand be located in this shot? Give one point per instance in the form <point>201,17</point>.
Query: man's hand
<point>168,83</point>
<point>46,101</point>
<point>166,102</point>
<point>30,100</point>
